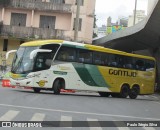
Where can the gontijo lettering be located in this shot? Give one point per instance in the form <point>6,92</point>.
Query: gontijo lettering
<point>122,73</point>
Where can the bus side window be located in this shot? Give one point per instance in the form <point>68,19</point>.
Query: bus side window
<point>81,60</point>
<point>62,56</point>
<point>140,65</point>
<point>97,58</point>
<point>112,60</point>
<point>84,56</point>
<point>120,61</point>
<point>128,63</point>
<point>66,54</point>
<point>104,59</point>
<point>149,65</point>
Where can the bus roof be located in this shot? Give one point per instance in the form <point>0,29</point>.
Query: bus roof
<point>85,46</point>
<point>103,49</point>
<point>41,42</point>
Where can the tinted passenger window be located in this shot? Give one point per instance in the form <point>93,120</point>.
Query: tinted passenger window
<point>150,65</point>
<point>66,54</point>
<point>97,58</point>
<point>112,61</point>
<point>128,62</point>
<point>84,56</point>
<point>140,64</point>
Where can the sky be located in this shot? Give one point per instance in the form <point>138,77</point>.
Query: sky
<point>116,8</point>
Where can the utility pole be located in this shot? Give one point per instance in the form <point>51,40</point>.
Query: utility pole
<point>135,9</point>
<point>76,25</point>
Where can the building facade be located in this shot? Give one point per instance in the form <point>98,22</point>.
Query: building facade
<point>140,15</point>
<point>25,20</point>
<point>102,31</point>
<point>151,5</point>
<point>121,24</point>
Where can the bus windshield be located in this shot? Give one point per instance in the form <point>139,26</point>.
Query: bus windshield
<point>22,62</point>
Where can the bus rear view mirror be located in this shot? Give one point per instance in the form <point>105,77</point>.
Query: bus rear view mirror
<point>34,52</point>
<point>7,54</point>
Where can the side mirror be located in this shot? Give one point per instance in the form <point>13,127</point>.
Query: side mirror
<point>7,54</point>
<point>34,52</point>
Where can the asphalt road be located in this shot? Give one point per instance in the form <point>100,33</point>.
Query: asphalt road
<point>25,105</point>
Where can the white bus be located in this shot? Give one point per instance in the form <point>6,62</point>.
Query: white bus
<point>57,64</point>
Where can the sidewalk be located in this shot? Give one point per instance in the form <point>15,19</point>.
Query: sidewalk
<point>3,73</point>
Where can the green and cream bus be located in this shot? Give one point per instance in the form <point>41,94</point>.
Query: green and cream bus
<point>57,64</point>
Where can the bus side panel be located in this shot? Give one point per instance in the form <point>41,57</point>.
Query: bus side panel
<point>91,76</point>
<point>146,80</point>
<point>116,77</point>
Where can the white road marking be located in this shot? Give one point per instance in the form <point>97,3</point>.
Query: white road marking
<point>66,118</point>
<point>9,115</point>
<point>78,112</point>
<point>38,117</point>
<point>94,128</point>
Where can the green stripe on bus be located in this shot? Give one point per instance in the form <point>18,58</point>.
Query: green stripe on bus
<point>90,75</point>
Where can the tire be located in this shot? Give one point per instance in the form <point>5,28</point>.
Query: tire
<point>104,94</point>
<point>57,87</point>
<point>36,90</point>
<point>124,91</point>
<point>134,92</point>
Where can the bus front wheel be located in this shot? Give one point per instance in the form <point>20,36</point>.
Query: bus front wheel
<point>57,87</point>
<point>134,92</point>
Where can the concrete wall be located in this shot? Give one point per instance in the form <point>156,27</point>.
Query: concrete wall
<point>87,15</point>
<point>151,4</point>
<point>12,45</point>
<point>70,1</point>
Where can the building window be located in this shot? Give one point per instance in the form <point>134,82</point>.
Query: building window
<point>5,45</point>
<point>81,2</point>
<point>47,22</point>
<point>80,24</point>
<point>18,19</point>
<point>55,1</point>
<point>58,1</point>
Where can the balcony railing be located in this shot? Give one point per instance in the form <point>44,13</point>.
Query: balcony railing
<point>30,32</point>
<point>37,5</point>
